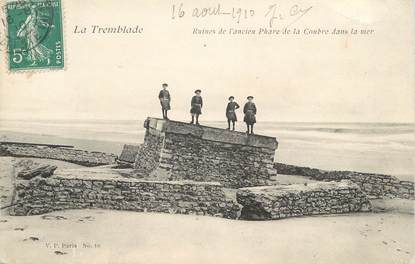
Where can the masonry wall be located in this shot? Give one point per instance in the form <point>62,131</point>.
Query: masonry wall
<point>42,195</point>
<point>231,164</point>
<point>148,157</point>
<point>276,202</point>
<point>179,151</point>
<point>374,185</point>
<point>76,156</point>
<point>128,154</point>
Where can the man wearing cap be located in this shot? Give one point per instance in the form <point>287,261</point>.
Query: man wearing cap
<point>250,112</point>
<point>164,97</point>
<point>230,112</point>
<point>196,106</point>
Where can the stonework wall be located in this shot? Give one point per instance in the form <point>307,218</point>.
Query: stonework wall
<point>76,156</point>
<point>181,151</point>
<point>128,154</point>
<point>77,189</point>
<point>374,185</point>
<point>148,157</point>
<point>232,165</point>
<point>275,202</point>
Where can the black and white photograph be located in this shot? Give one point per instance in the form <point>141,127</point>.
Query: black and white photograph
<point>207,132</point>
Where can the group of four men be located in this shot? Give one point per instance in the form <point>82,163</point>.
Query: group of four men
<point>197,104</point>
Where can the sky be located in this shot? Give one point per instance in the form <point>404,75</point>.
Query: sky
<point>305,78</point>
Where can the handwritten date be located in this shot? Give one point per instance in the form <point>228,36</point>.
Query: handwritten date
<point>236,13</point>
<point>274,13</point>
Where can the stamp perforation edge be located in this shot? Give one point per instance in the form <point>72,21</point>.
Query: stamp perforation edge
<point>33,70</point>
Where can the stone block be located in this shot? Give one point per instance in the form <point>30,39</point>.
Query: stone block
<point>274,202</point>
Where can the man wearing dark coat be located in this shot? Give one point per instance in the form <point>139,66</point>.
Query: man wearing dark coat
<point>196,106</point>
<point>164,97</point>
<point>230,112</point>
<point>250,112</point>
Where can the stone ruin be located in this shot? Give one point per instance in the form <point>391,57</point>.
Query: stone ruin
<point>128,156</point>
<point>104,188</point>
<point>275,202</point>
<point>56,152</point>
<point>181,151</point>
<point>188,169</point>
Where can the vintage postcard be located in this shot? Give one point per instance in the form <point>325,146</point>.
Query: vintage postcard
<point>207,131</point>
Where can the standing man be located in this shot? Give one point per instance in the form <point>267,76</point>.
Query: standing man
<point>196,106</point>
<point>164,97</point>
<point>250,112</point>
<point>230,112</point>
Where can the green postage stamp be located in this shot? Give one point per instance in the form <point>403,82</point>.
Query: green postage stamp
<point>35,37</point>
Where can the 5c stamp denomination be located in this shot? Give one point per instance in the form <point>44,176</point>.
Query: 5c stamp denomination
<point>35,34</point>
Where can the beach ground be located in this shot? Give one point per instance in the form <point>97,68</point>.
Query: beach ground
<point>104,236</point>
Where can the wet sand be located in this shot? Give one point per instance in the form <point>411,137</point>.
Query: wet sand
<point>128,237</point>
